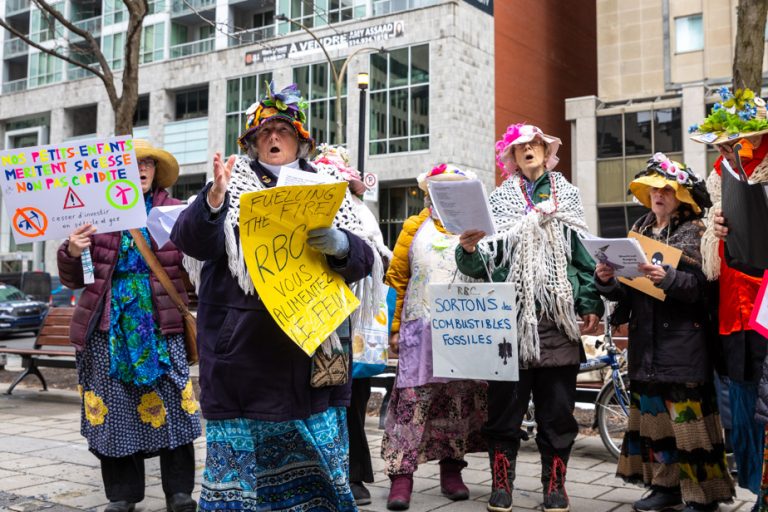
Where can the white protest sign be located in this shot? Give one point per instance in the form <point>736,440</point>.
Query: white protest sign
<point>474,333</point>
<point>48,191</point>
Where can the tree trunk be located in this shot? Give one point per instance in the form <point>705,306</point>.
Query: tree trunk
<point>750,45</point>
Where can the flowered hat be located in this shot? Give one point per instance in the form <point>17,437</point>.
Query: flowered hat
<point>286,105</point>
<point>166,166</point>
<point>520,134</point>
<point>660,172</point>
<point>443,172</point>
<point>741,114</point>
<point>338,157</point>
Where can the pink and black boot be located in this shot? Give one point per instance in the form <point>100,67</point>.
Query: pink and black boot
<point>400,492</point>
<point>451,484</point>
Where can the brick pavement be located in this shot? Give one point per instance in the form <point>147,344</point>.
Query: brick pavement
<point>45,465</point>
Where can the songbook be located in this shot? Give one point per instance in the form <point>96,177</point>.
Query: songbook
<point>745,209</point>
<point>462,205</point>
<point>657,253</point>
<point>621,254</point>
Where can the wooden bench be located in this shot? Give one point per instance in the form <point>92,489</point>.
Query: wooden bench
<point>52,348</point>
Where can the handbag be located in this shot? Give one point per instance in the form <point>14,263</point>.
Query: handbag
<point>329,370</point>
<point>189,320</point>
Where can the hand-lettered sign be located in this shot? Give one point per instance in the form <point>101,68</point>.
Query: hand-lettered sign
<point>474,333</point>
<point>48,191</point>
<point>304,296</point>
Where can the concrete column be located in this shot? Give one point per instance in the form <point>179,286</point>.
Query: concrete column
<point>60,128</point>
<point>693,112</point>
<point>581,113</point>
<point>105,121</point>
<point>160,112</point>
<point>222,22</point>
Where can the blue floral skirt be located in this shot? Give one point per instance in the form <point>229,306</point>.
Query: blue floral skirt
<point>120,419</point>
<point>299,465</point>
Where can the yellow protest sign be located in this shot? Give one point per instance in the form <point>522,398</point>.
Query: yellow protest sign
<point>304,296</point>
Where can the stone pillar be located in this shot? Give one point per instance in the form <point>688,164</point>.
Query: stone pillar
<point>581,113</point>
<point>160,112</point>
<point>693,112</point>
<point>60,128</point>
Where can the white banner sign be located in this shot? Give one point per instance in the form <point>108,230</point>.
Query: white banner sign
<point>474,333</point>
<point>48,191</point>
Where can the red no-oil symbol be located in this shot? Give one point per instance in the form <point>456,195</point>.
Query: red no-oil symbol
<point>72,200</point>
<point>30,222</point>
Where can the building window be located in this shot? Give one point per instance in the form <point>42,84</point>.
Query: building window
<point>114,12</point>
<point>689,33</point>
<point>141,116</point>
<point>188,185</point>
<point>113,47</point>
<point>153,43</point>
<point>44,69</point>
<point>317,84</point>
<point>396,204</point>
<point>155,6</point>
<point>83,120</point>
<point>242,93</point>
<point>625,142</point>
<point>43,26</point>
<point>399,111</point>
<point>192,103</point>
<point>263,19</point>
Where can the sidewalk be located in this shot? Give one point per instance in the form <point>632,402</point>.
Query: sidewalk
<point>45,465</point>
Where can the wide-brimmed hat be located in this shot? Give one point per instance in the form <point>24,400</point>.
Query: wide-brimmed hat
<point>443,172</point>
<point>740,115</point>
<point>166,166</point>
<point>286,105</point>
<point>521,133</point>
<point>661,172</point>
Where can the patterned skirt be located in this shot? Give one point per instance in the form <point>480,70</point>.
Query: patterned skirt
<point>120,419</point>
<point>433,422</point>
<point>299,465</point>
<point>674,440</point>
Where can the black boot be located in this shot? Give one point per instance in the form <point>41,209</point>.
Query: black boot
<point>120,506</point>
<point>503,459</point>
<point>180,502</point>
<point>553,468</point>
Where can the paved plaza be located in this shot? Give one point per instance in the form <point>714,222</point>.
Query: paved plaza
<point>45,465</point>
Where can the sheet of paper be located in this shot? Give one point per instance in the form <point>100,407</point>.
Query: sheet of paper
<point>623,254</point>
<point>462,205</point>
<point>160,222</point>
<point>290,176</point>
<point>658,254</point>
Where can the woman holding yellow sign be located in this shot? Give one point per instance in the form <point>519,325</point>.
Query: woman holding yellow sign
<point>674,444</point>
<point>276,430</point>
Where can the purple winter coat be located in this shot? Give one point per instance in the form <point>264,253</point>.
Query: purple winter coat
<point>104,250</point>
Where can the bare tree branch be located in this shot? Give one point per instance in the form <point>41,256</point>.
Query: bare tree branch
<point>49,51</point>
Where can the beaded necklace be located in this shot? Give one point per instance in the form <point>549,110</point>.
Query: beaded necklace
<point>527,186</point>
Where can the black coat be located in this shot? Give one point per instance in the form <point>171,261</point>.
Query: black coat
<point>668,341</point>
<point>249,368</point>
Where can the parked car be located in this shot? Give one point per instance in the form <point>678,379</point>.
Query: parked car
<point>19,312</point>
<point>61,296</point>
<point>35,283</point>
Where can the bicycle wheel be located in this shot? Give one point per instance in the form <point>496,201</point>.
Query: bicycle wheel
<point>612,420</point>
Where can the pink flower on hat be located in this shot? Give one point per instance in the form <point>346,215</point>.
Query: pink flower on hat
<point>522,133</point>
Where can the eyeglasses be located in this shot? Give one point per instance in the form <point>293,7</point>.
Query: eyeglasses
<point>147,162</point>
<point>533,143</point>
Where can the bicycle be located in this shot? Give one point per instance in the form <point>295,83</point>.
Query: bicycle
<point>612,402</point>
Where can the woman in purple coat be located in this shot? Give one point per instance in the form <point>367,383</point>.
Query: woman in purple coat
<point>132,365</point>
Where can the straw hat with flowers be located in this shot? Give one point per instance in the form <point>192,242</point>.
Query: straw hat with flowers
<point>166,166</point>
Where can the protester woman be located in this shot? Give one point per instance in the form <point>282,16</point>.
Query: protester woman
<point>428,418</point>
<point>274,441</point>
<point>674,444</point>
<point>538,215</point>
<point>132,366</point>
<point>744,113</point>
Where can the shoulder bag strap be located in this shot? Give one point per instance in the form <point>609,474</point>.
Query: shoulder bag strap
<point>158,270</point>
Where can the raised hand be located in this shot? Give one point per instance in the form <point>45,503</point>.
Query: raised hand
<point>470,238</point>
<point>80,240</point>
<point>222,172</point>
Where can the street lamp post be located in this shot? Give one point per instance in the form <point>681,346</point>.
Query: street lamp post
<point>362,84</point>
<point>338,75</point>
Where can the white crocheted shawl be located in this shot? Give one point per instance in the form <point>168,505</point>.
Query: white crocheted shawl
<point>244,180</point>
<point>535,244</point>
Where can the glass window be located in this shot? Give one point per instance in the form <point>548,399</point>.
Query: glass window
<point>112,46</point>
<point>191,103</point>
<point>399,101</point>
<point>44,69</point>
<point>316,83</point>
<point>114,12</point>
<point>153,43</point>
<point>637,133</point>
<point>141,116</point>
<point>241,93</point>
<point>609,136</point>
<point>83,120</point>
<point>689,33</point>
<point>667,130</point>
<point>396,204</point>
<point>43,25</point>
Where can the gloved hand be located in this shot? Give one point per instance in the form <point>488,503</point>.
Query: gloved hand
<point>329,241</point>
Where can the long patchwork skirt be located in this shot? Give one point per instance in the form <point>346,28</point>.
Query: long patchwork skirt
<point>120,419</point>
<point>675,439</point>
<point>433,422</point>
<point>299,465</point>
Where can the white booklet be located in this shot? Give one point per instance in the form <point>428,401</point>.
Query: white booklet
<point>623,254</point>
<point>160,221</point>
<point>290,176</point>
<point>462,205</point>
